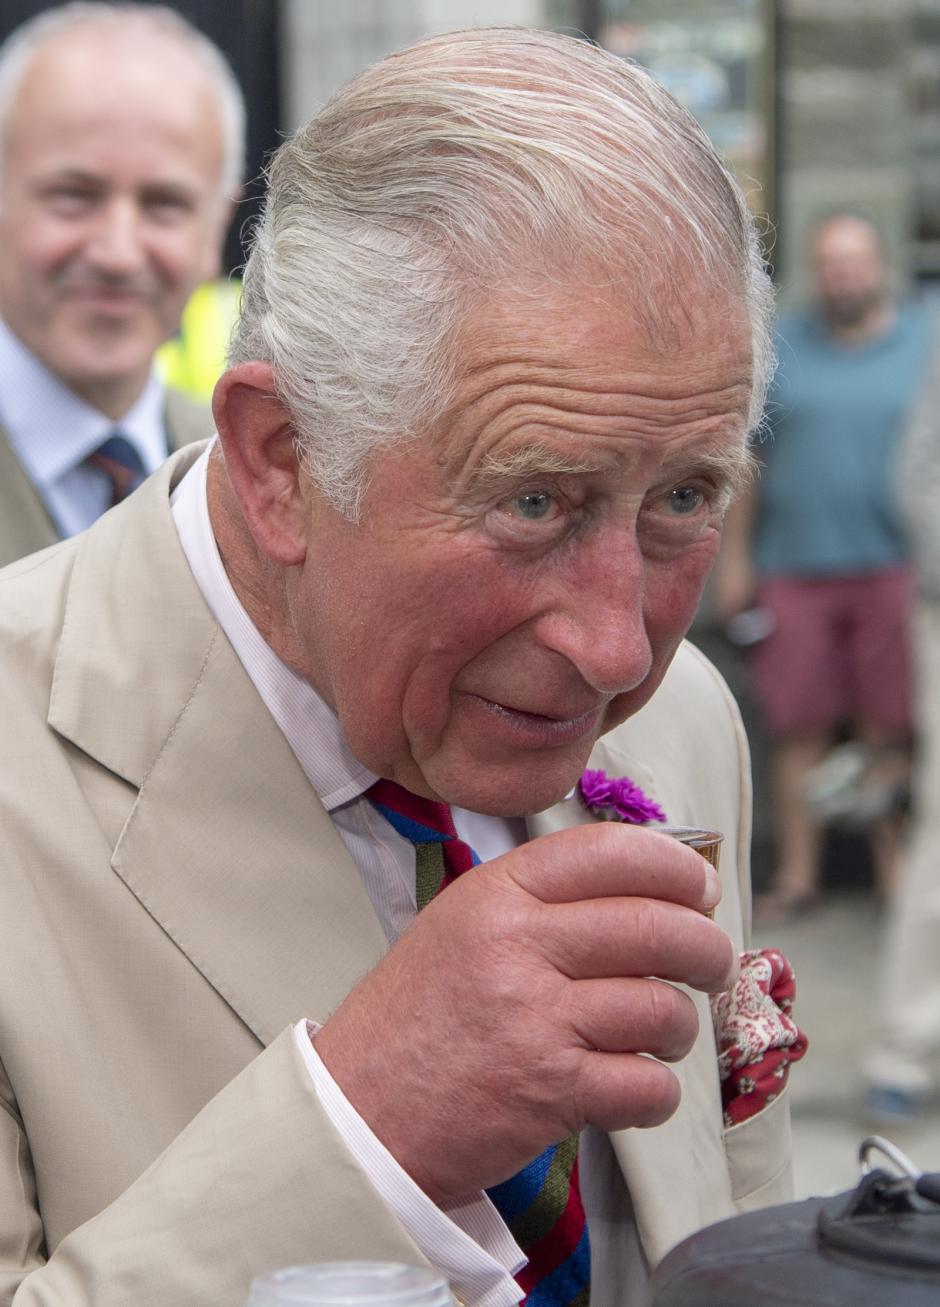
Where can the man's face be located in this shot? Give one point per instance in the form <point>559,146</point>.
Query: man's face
<point>518,583</point>
<point>849,270</point>
<point>110,213</point>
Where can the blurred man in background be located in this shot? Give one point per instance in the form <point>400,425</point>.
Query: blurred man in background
<point>820,545</point>
<point>121,146</point>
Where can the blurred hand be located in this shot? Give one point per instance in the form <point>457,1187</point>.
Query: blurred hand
<point>516,1008</point>
<point>733,585</point>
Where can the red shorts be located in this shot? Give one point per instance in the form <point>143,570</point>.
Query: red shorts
<point>839,652</point>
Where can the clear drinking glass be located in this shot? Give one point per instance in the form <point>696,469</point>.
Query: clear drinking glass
<point>351,1284</point>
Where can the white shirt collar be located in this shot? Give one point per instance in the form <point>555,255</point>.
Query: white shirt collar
<point>309,725</point>
<point>52,430</point>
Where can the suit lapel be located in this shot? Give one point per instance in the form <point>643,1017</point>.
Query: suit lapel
<point>227,846</point>
<point>25,526</point>
<point>668,1169</point>
<point>273,912</point>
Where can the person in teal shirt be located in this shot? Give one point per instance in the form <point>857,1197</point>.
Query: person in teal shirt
<point>820,544</point>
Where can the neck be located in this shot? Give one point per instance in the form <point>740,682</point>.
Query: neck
<point>112,398</point>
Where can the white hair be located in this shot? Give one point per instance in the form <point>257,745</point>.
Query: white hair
<point>468,163</point>
<point>25,41</point>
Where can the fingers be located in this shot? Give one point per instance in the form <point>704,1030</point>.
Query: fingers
<point>613,859</point>
<point>637,937</point>
<point>621,1091</point>
<point>633,1016</point>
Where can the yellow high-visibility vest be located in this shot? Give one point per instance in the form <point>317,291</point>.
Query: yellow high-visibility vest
<point>194,359</point>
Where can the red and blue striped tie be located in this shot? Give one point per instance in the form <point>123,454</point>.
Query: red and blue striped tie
<point>120,462</point>
<point>542,1204</point>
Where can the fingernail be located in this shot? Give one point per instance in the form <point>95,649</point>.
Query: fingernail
<point>712,895</point>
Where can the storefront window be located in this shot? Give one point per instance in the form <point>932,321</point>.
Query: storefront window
<point>716,57</point>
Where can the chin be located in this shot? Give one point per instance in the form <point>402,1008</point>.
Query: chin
<point>516,791</point>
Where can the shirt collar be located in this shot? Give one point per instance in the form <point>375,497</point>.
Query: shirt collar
<point>52,430</point>
<point>309,725</point>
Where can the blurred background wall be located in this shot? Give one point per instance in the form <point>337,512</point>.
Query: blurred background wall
<point>848,91</point>
<point>841,97</point>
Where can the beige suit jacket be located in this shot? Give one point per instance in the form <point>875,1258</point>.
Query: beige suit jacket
<point>173,897</point>
<point>25,525</point>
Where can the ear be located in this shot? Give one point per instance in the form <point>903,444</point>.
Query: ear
<point>258,439</point>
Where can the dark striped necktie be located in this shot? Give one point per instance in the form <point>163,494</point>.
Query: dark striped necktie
<point>542,1204</point>
<point>120,462</point>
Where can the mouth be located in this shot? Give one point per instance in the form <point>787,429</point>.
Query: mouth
<point>107,299</point>
<point>537,728</point>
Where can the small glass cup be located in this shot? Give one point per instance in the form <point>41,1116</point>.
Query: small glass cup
<point>706,842</point>
<point>351,1284</point>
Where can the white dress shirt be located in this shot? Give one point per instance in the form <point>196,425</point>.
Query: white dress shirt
<point>52,431</point>
<point>469,1244</point>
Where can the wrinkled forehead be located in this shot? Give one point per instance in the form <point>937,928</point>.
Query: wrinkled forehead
<point>107,91</point>
<point>846,237</point>
<point>581,359</point>
<point>663,307</point>
<point>92,65</point>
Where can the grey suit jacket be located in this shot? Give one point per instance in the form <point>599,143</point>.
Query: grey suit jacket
<point>173,897</point>
<point>25,526</point>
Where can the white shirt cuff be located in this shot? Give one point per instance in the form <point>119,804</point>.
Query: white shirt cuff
<point>469,1244</point>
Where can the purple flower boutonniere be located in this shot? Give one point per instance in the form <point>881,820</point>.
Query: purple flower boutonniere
<point>616,798</point>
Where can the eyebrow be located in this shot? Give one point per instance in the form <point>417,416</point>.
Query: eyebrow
<point>68,173</point>
<point>536,460</point>
<point>734,468</point>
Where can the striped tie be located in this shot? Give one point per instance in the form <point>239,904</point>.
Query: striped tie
<point>121,464</point>
<point>542,1204</point>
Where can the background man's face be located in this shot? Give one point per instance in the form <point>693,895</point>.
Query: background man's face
<point>520,581</point>
<point>110,212</point>
<point>849,270</point>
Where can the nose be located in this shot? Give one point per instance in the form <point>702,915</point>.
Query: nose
<point>116,246</point>
<point>599,623</point>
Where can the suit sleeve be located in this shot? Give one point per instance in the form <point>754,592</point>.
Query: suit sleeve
<point>257,1180</point>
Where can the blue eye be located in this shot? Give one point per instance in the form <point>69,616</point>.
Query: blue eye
<point>685,499</point>
<point>535,506</point>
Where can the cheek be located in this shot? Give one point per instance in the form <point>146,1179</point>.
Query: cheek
<point>182,258</point>
<point>674,589</point>
<point>51,242</point>
<point>28,257</point>
<point>393,616</point>
<point>437,620</point>
<point>29,273</point>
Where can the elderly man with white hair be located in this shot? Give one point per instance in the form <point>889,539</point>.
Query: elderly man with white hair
<point>314,945</point>
<point>121,156</point>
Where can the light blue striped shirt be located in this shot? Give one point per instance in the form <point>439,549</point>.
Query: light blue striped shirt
<point>52,431</point>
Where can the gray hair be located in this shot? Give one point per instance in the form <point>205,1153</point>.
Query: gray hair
<point>20,46</point>
<point>464,163</point>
